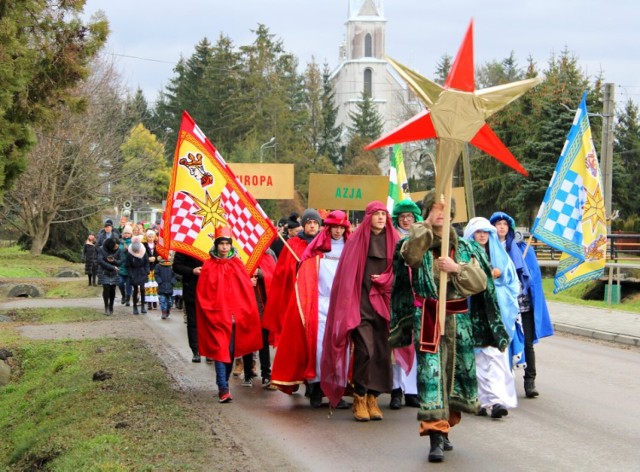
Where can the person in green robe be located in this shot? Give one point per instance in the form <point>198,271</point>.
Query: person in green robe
<point>446,381</point>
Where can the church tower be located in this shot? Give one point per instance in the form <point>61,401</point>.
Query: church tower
<point>363,67</point>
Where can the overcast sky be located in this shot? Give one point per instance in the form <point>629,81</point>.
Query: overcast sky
<point>603,35</point>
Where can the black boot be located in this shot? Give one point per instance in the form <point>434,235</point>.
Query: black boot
<point>396,399</point>
<point>315,396</point>
<point>436,453</point>
<point>530,388</point>
<point>106,309</point>
<point>447,446</point>
<point>127,300</point>
<point>135,309</point>
<point>411,400</point>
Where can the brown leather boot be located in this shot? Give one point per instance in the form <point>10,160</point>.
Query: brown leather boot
<point>372,407</point>
<point>360,411</point>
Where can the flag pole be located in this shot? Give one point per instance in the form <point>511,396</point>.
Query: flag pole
<point>524,253</point>
<point>288,247</point>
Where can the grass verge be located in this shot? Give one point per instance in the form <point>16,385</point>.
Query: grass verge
<point>574,296</point>
<point>55,416</point>
<point>14,262</point>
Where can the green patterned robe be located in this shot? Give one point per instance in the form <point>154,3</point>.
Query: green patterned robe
<point>446,379</point>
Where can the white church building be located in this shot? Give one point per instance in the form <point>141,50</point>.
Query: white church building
<point>363,67</point>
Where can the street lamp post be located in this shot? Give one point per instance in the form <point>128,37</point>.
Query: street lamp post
<point>269,144</point>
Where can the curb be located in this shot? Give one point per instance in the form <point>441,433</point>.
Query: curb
<point>595,334</point>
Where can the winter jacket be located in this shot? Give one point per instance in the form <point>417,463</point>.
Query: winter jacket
<point>109,262</point>
<point>165,278</point>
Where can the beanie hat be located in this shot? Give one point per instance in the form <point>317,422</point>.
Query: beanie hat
<point>136,248</point>
<point>405,206</point>
<point>150,232</point>
<point>127,229</point>
<point>108,222</point>
<point>309,215</point>
<point>430,199</point>
<point>293,222</point>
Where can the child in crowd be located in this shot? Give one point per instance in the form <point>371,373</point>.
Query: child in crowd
<point>166,280</point>
<point>137,263</point>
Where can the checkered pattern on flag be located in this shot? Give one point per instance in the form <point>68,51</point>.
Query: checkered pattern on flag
<point>204,194</point>
<point>185,226</point>
<point>571,217</point>
<point>244,227</point>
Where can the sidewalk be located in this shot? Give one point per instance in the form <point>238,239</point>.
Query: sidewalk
<point>598,323</point>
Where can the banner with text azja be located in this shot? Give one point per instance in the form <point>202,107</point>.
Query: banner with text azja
<point>265,181</point>
<point>346,192</point>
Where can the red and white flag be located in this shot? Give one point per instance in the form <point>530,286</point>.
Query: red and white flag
<point>204,194</point>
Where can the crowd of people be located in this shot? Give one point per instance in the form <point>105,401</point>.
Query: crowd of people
<point>353,313</point>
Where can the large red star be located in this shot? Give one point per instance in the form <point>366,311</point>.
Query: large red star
<point>457,112</point>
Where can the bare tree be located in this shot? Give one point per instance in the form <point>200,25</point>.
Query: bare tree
<point>75,161</point>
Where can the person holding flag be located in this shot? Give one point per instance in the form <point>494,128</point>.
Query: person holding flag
<point>204,194</point>
<point>226,309</point>
<point>536,322</point>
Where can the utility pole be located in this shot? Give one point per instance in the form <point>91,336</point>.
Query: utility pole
<point>606,149</point>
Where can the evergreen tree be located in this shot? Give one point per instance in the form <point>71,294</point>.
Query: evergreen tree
<point>626,157</point>
<point>45,50</point>
<point>313,97</point>
<point>365,121</point>
<point>331,133</point>
<point>442,69</point>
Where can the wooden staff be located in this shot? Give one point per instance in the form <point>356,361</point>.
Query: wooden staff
<point>288,247</point>
<point>524,253</point>
<point>444,252</point>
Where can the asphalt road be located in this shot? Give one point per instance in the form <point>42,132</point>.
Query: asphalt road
<point>587,417</point>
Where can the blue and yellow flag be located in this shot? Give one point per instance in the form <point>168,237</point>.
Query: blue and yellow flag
<point>398,185</point>
<point>572,215</point>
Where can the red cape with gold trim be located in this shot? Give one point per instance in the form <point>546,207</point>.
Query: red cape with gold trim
<point>282,300</point>
<point>224,290</point>
<point>295,359</point>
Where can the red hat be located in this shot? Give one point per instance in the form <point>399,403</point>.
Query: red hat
<point>337,218</point>
<point>223,232</point>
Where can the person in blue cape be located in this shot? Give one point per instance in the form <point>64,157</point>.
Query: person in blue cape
<point>496,386</point>
<point>536,321</point>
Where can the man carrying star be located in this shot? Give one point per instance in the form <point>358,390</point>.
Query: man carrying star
<point>446,380</point>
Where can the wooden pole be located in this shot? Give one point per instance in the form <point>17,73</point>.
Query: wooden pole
<point>289,247</point>
<point>524,253</point>
<point>444,252</point>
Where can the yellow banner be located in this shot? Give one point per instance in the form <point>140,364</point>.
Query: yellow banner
<point>346,192</point>
<point>265,181</point>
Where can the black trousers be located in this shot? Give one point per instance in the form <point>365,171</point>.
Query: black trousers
<point>192,331</point>
<point>529,328</point>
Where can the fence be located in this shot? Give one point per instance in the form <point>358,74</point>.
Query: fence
<point>621,248</point>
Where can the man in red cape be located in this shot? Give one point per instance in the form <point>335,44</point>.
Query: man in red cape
<point>359,315</point>
<point>226,310</point>
<point>298,356</point>
<point>281,302</point>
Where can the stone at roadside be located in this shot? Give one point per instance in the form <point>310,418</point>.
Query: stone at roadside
<point>5,373</point>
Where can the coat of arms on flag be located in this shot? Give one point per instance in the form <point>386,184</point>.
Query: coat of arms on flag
<point>204,194</point>
<point>572,215</point>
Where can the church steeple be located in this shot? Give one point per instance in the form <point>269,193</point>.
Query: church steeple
<point>365,30</point>
<point>365,9</point>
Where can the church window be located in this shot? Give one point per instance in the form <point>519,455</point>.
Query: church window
<point>368,82</point>
<point>368,47</point>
